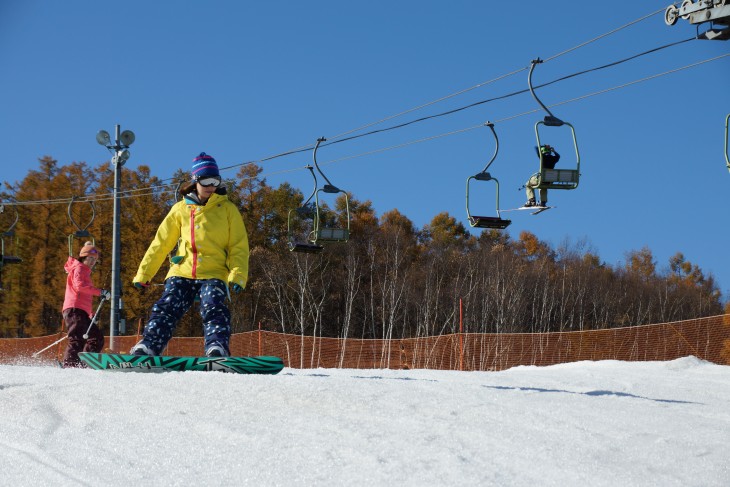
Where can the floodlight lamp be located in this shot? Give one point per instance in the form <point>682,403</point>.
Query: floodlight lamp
<point>102,137</point>
<point>124,155</point>
<point>127,137</point>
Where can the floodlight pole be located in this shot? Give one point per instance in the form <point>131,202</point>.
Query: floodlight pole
<point>116,302</point>
<point>122,141</point>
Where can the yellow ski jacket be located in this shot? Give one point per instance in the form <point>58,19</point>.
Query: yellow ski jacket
<point>213,243</point>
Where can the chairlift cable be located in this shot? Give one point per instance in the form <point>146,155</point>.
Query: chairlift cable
<point>302,149</point>
<point>505,119</point>
<point>484,83</point>
<point>615,63</point>
<point>555,56</point>
<point>507,75</point>
<point>564,102</point>
<point>508,95</point>
<point>104,197</point>
<point>647,78</point>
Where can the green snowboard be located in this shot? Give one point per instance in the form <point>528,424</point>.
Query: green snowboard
<point>148,363</point>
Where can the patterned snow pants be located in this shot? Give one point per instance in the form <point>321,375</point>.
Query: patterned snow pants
<point>176,299</point>
<point>77,321</point>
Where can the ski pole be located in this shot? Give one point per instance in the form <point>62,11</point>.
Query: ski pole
<point>49,346</point>
<point>96,315</point>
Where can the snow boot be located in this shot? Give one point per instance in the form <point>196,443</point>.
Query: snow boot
<point>141,349</point>
<point>216,351</point>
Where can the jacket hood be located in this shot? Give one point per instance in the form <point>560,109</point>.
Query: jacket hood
<point>74,263</point>
<point>71,263</point>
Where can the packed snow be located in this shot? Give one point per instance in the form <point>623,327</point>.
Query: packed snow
<point>587,423</point>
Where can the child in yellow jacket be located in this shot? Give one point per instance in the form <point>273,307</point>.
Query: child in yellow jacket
<point>212,255</point>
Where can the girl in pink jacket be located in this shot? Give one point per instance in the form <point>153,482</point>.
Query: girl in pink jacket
<point>77,306</point>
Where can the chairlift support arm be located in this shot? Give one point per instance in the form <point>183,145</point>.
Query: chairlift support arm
<point>550,119</point>
<point>314,190</point>
<point>496,147</point>
<point>727,138</point>
<point>329,187</point>
<point>81,232</point>
<point>10,231</point>
<point>486,221</point>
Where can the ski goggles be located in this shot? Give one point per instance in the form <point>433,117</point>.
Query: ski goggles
<point>209,181</point>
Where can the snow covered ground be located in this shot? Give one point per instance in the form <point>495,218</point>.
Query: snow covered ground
<point>587,423</point>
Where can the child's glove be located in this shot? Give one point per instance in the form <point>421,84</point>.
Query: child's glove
<point>141,285</point>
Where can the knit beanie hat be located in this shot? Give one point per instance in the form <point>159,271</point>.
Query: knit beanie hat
<point>204,166</point>
<point>88,249</point>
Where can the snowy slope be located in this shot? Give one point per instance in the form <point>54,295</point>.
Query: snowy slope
<point>588,423</point>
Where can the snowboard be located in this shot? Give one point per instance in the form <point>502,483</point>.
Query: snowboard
<point>540,209</point>
<point>149,363</point>
<point>535,209</point>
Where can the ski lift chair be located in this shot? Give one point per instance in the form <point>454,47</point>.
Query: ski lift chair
<point>554,178</point>
<point>558,178</point>
<point>301,214</point>
<point>331,233</point>
<point>324,233</point>
<point>307,246</point>
<point>727,137</point>
<point>9,234</point>
<point>486,221</point>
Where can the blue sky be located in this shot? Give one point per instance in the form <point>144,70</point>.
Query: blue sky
<point>246,80</point>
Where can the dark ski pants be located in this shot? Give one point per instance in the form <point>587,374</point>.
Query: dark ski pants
<point>177,298</point>
<point>77,321</point>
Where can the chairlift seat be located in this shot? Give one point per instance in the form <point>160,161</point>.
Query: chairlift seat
<point>333,234</point>
<point>559,179</point>
<point>489,222</point>
<point>11,259</point>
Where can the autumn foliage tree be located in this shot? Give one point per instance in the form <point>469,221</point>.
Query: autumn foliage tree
<point>391,280</point>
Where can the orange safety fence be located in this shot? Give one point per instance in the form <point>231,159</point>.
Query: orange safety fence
<point>705,338</point>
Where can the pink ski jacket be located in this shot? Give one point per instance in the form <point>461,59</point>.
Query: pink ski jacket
<point>79,287</point>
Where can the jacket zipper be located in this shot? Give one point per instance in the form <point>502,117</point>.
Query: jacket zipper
<point>192,242</point>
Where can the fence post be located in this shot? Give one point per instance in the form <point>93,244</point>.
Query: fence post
<point>461,336</point>
<point>259,338</point>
